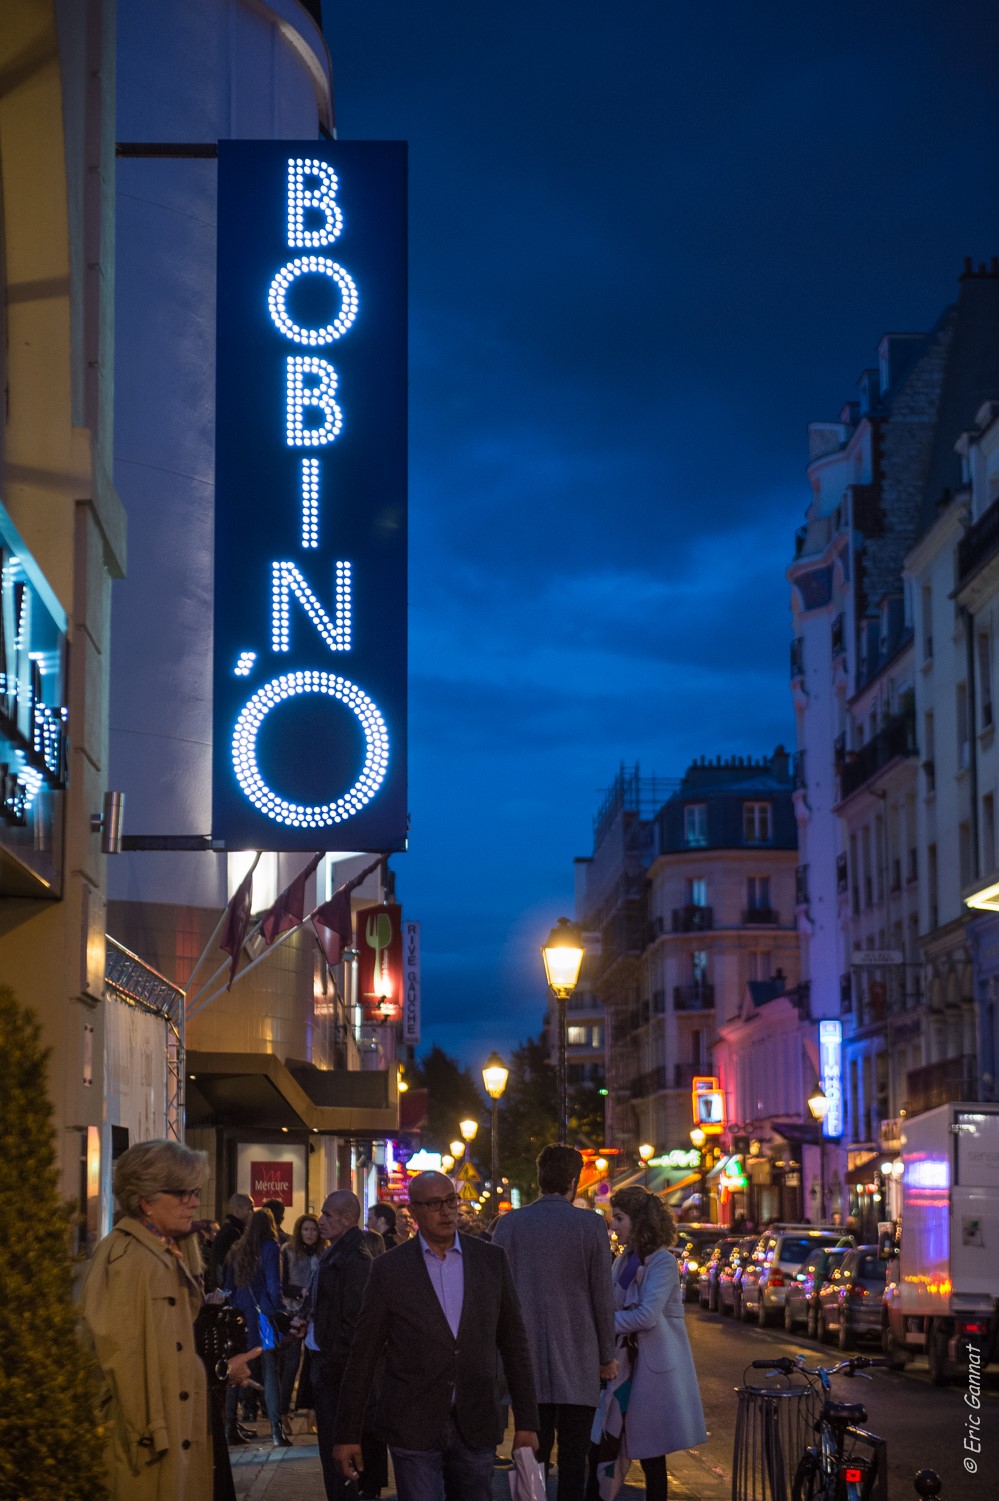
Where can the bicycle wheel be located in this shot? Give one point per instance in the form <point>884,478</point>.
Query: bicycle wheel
<point>808,1484</point>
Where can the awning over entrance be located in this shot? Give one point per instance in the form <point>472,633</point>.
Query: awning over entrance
<point>259,1090</point>
<point>867,1171</point>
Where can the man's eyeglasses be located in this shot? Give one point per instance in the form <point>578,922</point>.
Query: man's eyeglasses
<point>184,1195</point>
<point>451,1202</point>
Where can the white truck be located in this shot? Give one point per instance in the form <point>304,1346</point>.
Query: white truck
<point>942,1286</point>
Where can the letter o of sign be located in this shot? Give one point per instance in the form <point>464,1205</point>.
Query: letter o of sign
<point>312,265</point>
<point>244,749</point>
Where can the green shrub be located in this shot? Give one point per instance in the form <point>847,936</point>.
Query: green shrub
<point>49,1445</point>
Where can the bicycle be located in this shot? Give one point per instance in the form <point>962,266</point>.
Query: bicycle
<point>846,1462</point>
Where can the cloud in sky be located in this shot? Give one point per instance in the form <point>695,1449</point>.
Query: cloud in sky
<point>648,245</point>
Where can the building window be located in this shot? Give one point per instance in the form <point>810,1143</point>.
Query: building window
<point>597,1036</point>
<point>697,892</point>
<point>577,1037</point>
<point>699,967</point>
<point>695,824</point>
<point>801,886</point>
<point>931,881</point>
<point>927,623</point>
<point>985,679</point>
<point>963,728</point>
<point>759,964</point>
<point>756,823</point>
<point>758,893</point>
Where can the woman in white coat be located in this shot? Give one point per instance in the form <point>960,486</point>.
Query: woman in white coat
<point>660,1408</point>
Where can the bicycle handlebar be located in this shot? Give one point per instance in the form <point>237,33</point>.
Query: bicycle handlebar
<point>786,1366</point>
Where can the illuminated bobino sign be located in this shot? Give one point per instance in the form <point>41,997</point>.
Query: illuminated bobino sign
<point>309,719</point>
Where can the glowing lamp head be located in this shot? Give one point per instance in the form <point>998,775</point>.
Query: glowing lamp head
<point>457,1149</point>
<point>563,956</point>
<point>601,1164</point>
<point>818,1103</point>
<point>468,1129</point>
<point>698,1137</point>
<point>494,1075</point>
<point>646,1150</point>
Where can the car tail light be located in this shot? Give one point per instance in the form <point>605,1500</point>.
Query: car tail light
<point>856,1291</point>
<point>974,1327</point>
<point>776,1277</point>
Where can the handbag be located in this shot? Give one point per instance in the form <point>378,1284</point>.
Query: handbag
<point>219,1334</point>
<point>274,1327</point>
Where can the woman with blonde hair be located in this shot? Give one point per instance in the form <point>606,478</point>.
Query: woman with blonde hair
<point>663,1411</point>
<point>253,1277</point>
<point>141,1297</point>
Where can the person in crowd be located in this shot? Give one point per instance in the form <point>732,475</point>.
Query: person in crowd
<point>139,1303</point>
<point>277,1210</point>
<point>329,1315</point>
<point>382,1219</point>
<point>439,1407</point>
<point>663,1410</point>
<point>299,1259</point>
<point>405,1228</point>
<point>253,1277</point>
<point>569,1318</point>
<point>239,1210</point>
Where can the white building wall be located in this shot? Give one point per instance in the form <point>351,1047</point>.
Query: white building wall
<point>193,71</point>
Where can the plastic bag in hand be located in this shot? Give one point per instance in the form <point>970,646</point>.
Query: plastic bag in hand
<point>527,1478</point>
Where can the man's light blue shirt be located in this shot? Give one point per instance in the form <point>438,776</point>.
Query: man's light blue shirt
<point>448,1279</point>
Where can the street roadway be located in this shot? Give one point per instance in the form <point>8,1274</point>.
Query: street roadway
<point>924,1425</point>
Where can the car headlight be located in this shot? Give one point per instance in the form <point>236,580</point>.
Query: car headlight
<point>692,1265</point>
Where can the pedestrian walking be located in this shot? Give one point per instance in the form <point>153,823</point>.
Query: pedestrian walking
<point>569,1317</point>
<point>277,1210</point>
<point>299,1259</point>
<point>653,1406</point>
<point>329,1315</point>
<point>381,1219</point>
<point>139,1303</point>
<point>238,1216</point>
<point>253,1278</point>
<point>438,1311</point>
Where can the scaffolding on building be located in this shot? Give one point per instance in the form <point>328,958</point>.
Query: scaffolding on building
<point>129,979</point>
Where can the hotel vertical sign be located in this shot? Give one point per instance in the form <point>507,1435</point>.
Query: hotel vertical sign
<point>309,719</point>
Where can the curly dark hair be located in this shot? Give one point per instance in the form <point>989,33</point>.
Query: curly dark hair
<point>297,1240</point>
<point>244,1258</point>
<point>653,1227</point>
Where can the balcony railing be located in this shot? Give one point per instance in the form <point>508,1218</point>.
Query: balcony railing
<point>760,917</point>
<point>693,997</point>
<point>939,1083</point>
<point>898,738</point>
<point>691,919</point>
<point>684,1074</point>
<point>979,543</point>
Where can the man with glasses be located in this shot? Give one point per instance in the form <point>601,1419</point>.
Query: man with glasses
<point>439,1309</point>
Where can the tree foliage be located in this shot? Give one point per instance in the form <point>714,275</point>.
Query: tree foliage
<point>50,1445</point>
<point>452,1094</point>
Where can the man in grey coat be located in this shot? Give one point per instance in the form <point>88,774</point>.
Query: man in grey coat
<point>562,1272</point>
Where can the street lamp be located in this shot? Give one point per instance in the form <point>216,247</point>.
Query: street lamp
<point>457,1149</point>
<point>563,956</point>
<point>645,1151</point>
<point>468,1129</point>
<point>697,1139</point>
<point>818,1104</point>
<point>494,1076</point>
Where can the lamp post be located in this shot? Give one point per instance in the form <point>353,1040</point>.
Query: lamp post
<point>645,1151</point>
<point>494,1076</point>
<point>818,1104</point>
<point>697,1139</point>
<point>563,956</point>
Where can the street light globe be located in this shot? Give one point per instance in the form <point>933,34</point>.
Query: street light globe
<point>601,1164</point>
<point>818,1103</point>
<point>646,1150</point>
<point>494,1075</point>
<point>563,956</point>
<point>457,1149</point>
<point>468,1129</point>
<point>447,1163</point>
<point>698,1137</point>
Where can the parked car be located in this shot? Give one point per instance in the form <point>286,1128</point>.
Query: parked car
<point>780,1254</point>
<point>801,1306</point>
<point>707,1280</point>
<point>694,1245</point>
<point>851,1304</point>
<point>730,1276</point>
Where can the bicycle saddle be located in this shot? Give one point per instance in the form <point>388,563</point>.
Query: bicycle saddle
<point>845,1413</point>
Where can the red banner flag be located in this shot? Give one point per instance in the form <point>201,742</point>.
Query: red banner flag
<point>237,920</point>
<point>333,924</point>
<point>289,909</point>
<point>379,941</point>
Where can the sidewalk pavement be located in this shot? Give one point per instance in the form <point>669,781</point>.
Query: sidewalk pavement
<point>262,1473</point>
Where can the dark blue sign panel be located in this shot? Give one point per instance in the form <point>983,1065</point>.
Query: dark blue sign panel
<point>309,716</point>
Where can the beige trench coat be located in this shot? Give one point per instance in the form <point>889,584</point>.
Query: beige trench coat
<point>139,1304</point>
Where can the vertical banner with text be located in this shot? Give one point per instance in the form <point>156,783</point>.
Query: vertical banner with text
<point>379,967</point>
<point>309,718</point>
<point>411,982</point>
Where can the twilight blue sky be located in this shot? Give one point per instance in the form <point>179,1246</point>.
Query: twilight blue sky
<point>649,243</point>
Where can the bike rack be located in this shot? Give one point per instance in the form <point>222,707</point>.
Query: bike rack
<point>773,1428</point>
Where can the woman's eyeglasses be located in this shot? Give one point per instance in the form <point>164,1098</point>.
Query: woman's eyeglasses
<point>184,1195</point>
